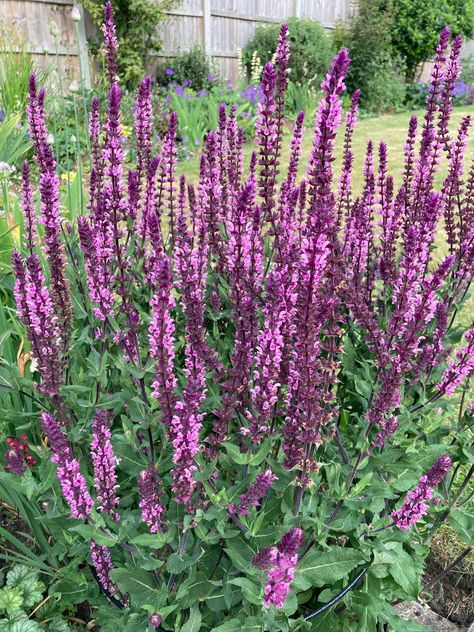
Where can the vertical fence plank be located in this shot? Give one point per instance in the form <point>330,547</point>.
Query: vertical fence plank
<point>207,33</point>
<point>82,48</point>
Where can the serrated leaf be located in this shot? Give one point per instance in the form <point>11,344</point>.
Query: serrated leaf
<point>403,570</point>
<point>318,568</point>
<point>58,625</point>
<point>11,599</point>
<point>26,579</point>
<point>19,623</point>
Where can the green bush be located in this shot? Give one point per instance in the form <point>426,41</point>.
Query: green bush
<point>415,24</point>
<point>310,49</point>
<point>189,67</point>
<point>376,68</point>
<point>136,23</point>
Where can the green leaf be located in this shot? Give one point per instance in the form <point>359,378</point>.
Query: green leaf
<point>90,532</point>
<point>217,602</point>
<point>70,592</point>
<point>463,522</point>
<point>193,624</point>
<point>139,585</point>
<point>58,625</point>
<point>177,564</point>
<point>319,568</point>
<point>251,591</point>
<point>403,570</point>
<point>195,589</point>
<point>247,458</point>
<point>11,599</point>
<point>26,579</point>
<point>229,626</point>
<point>152,540</point>
<point>19,623</point>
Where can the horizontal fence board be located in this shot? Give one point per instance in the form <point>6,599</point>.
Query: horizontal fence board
<point>221,27</point>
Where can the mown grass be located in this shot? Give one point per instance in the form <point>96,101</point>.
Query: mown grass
<point>392,128</point>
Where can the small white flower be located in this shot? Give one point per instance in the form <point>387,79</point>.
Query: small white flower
<point>75,14</point>
<point>73,139</point>
<point>6,169</point>
<point>74,86</point>
<point>50,139</point>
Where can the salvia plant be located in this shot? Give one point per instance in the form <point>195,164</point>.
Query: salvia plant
<point>250,392</point>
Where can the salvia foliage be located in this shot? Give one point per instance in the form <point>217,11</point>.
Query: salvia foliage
<point>247,388</point>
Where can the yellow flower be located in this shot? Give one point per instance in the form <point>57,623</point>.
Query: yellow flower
<point>68,175</point>
<point>125,130</point>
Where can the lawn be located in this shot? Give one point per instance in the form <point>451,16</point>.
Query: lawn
<point>392,128</point>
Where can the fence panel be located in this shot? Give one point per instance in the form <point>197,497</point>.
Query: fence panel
<point>221,27</point>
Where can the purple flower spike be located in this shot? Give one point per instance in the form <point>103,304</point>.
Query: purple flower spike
<point>73,483</point>
<point>282,572</point>
<point>110,42</point>
<point>255,493</point>
<point>416,502</point>
<point>150,504</point>
<point>102,562</point>
<point>105,463</point>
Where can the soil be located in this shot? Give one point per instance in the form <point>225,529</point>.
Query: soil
<point>453,596</point>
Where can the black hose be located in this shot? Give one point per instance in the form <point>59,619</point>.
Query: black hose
<point>339,596</point>
<point>329,604</point>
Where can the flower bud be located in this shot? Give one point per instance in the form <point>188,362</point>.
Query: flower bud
<point>75,14</point>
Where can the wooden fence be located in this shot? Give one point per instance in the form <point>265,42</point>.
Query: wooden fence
<point>46,30</point>
<point>221,27</point>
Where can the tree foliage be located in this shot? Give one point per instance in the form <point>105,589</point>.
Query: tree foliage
<point>136,22</point>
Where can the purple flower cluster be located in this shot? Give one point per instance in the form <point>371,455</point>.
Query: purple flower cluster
<point>105,462</point>
<point>102,562</point>
<point>254,495</point>
<point>161,337</point>
<point>150,504</point>
<point>50,209</point>
<point>73,483</point>
<point>281,560</point>
<point>416,504</point>
<point>37,313</point>
<point>250,290</point>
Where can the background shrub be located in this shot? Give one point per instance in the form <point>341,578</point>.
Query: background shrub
<point>415,24</point>
<point>136,23</point>
<point>190,67</point>
<point>310,49</point>
<point>376,68</point>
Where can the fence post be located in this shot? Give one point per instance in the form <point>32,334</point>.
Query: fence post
<point>297,8</point>
<point>84,68</point>
<point>206,19</point>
